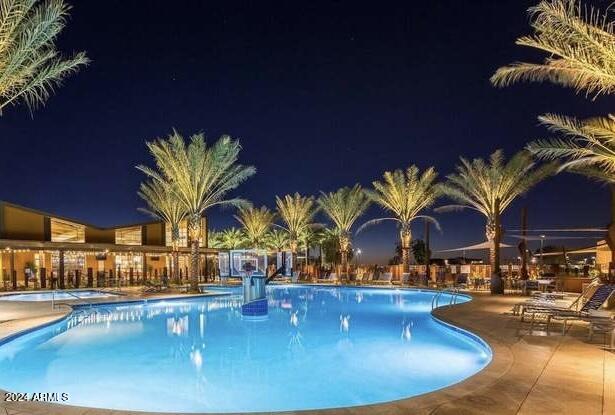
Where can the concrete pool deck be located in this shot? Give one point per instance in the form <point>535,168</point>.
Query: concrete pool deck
<point>530,373</point>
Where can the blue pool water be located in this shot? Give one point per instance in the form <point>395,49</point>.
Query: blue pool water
<point>320,347</point>
<point>58,295</point>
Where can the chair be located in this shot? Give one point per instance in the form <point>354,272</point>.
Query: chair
<point>153,287</point>
<point>331,279</point>
<point>544,300</point>
<point>385,278</point>
<point>600,295</point>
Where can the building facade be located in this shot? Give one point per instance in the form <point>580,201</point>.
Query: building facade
<point>43,250</point>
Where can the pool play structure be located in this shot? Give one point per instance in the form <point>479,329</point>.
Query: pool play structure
<point>74,295</point>
<point>318,347</point>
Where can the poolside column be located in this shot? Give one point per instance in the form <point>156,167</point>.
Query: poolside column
<point>12,269</point>
<point>61,269</point>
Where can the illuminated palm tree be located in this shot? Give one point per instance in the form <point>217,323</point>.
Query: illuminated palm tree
<point>344,207</point>
<point>405,195</point>
<point>201,177</point>
<point>580,45</point>
<point>296,212</point>
<point>489,188</point>
<point>277,239</point>
<point>30,66</point>
<point>163,205</point>
<point>214,239</point>
<point>256,223</point>
<point>232,238</point>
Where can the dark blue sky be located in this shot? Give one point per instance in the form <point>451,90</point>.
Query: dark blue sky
<point>321,95</point>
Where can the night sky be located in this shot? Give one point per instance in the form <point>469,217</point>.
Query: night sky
<point>321,95</point>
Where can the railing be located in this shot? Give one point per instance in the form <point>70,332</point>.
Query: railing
<point>85,302</point>
<point>435,300</point>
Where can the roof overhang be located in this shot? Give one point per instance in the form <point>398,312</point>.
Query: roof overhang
<point>94,247</point>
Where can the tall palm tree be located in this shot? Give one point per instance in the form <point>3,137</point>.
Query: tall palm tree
<point>344,207</point>
<point>296,212</point>
<point>405,195</point>
<point>30,65</point>
<point>201,177</point>
<point>256,223</point>
<point>232,238</point>
<point>579,43</point>
<point>489,187</point>
<point>163,205</point>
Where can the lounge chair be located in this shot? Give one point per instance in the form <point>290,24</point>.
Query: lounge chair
<point>403,280</point>
<point>544,300</point>
<point>329,279</point>
<point>385,278</point>
<point>600,295</point>
<point>153,287</point>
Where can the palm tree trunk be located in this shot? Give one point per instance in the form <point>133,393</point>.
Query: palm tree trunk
<point>344,262</point>
<point>176,266</point>
<point>293,256</point>
<point>194,233</point>
<point>194,266</point>
<point>405,236</point>
<point>497,286</point>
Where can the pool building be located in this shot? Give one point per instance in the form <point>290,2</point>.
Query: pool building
<point>43,250</point>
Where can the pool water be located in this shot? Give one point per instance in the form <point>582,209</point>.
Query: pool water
<point>320,347</point>
<point>58,295</point>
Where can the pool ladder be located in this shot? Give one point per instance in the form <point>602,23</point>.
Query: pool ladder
<point>83,301</point>
<point>435,301</point>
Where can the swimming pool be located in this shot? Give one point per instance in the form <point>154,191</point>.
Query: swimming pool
<point>57,295</point>
<point>320,347</point>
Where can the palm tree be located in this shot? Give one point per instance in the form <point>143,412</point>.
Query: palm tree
<point>579,44</point>
<point>405,196</point>
<point>201,176</point>
<point>277,239</point>
<point>214,239</point>
<point>489,188</point>
<point>163,205</point>
<point>580,47</point>
<point>30,65</point>
<point>344,207</point>
<point>256,223</point>
<point>232,238</point>
<point>296,212</point>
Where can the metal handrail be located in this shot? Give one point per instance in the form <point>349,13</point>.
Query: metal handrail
<point>435,301</point>
<point>53,294</point>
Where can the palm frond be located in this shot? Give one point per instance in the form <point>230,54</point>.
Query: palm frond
<point>481,185</point>
<point>406,194</point>
<point>579,44</point>
<point>256,223</point>
<point>199,176</point>
<point>373,222</point>
<point>30,66</point>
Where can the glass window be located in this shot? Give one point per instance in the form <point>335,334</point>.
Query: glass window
<point>128,236</point>
<point>64,231</point>
<point>183,234</point>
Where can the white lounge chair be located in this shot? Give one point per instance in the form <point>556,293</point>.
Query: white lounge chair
<point>385,278</point>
